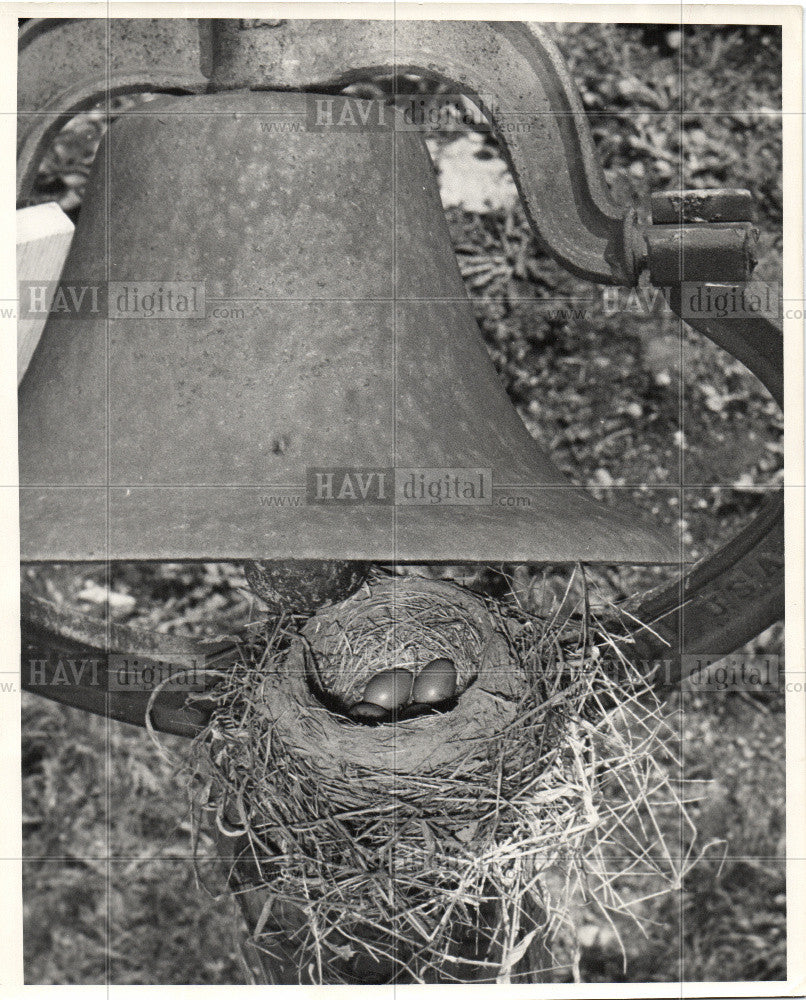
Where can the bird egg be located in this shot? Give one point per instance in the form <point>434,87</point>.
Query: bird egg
<point>436,682</point>
<point>390,688</point>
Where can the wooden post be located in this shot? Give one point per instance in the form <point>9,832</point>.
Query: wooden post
<point>44,234</point>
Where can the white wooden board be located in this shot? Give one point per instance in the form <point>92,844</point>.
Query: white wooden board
<point>44,234</point>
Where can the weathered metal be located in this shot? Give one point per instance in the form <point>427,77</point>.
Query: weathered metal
<point>702,252</point>
<point>302,586</point>
<point>513,69</point>
<point>756,341</point>
<point>714,236</point>
<point>722,602</point>
<point>112,670</point>
<point>735,593</point>
<point>68,65</point>
<point>702,205</point>
<point>336,335</point>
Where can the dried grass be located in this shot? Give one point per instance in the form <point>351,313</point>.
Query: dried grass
<point>449,847</point>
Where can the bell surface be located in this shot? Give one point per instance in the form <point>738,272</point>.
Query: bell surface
<point>315,385</point>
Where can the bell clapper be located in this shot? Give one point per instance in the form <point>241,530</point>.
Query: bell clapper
<point>302,586</point>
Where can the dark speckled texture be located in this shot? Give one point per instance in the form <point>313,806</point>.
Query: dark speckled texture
<point>357,347</point>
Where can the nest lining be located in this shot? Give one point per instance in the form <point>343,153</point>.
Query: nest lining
<point>397,626</point>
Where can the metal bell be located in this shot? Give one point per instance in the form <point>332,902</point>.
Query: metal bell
<point>314,372</point>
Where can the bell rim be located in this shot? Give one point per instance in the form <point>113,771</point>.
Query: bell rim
<point>562,525</point>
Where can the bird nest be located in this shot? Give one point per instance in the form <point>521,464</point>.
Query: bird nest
<point>444,848</point>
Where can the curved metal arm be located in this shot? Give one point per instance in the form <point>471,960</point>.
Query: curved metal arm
<point>754,340</point>
<point>112,670</point>
<point>513,69</point>
<point>724,600</point>
<point>89,60</point>
<point>729,597</point>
